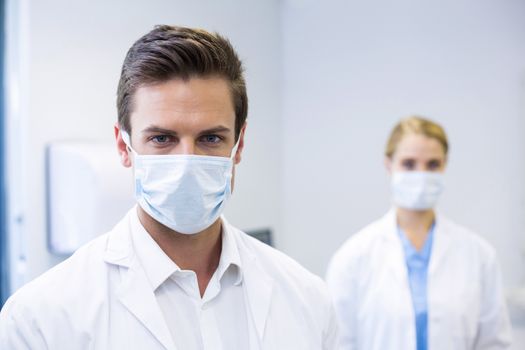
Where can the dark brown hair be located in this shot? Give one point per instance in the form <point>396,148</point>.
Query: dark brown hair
<point>170,52</point>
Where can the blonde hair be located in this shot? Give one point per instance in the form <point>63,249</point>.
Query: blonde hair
<point>419,126</point>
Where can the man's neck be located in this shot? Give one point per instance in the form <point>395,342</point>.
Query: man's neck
<point>198,252</point>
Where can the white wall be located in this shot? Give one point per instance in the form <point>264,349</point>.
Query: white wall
<point>73,52</point>
<point>353,68</point>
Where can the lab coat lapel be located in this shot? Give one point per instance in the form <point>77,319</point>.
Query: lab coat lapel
<point>440,244</point>
<point>258,288</point>
<point>136,295</point>
<point>394,255</point>
<point>135,291</point>
<point>257,284</point>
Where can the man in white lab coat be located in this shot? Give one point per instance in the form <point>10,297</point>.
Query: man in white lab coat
<point>174,274</point>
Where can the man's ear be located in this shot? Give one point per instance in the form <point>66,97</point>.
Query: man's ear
<point>122,148</point>
<point>237,158</point>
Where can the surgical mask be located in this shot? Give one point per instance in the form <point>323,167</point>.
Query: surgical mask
<point>416,190</point>
<point>184,192</point>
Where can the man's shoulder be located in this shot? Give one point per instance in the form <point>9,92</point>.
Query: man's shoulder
<point>61,285</point>
<point>83,270</point>
<point>297,292</point>
<point>275,263</point>
<point>60,300</point>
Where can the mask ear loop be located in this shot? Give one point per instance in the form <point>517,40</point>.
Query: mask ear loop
<point>234,149</point>
<point>127,141</point>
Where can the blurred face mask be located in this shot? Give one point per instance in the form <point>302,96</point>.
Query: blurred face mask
<point>416,190</point>
<point>184,192</point>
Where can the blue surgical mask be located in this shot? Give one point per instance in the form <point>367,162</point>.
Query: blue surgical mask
<point>184,192</point>
<point>416,190</point>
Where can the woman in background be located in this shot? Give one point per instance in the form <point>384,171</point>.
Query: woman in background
<point>413,279</point>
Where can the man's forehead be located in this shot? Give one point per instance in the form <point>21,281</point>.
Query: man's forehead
<point>200,103</point>
<point>207,86</point>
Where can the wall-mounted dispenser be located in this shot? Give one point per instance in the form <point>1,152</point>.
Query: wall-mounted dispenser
<point>88,192</point>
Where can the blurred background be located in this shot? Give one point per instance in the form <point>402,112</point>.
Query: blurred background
<point>327,80</point>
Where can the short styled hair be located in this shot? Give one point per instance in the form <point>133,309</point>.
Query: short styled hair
<point>171,52</point>
<point>419,126</point>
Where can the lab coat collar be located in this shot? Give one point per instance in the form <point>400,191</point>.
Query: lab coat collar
<point>230,258</point>
<point>394,255</point>
<point>119,249</point>
<point>135,291</point>
<point>157,266</point>
<point>440,243</point>
<point>122,247</point>
<point>257,283</point>
<point>138,297</point>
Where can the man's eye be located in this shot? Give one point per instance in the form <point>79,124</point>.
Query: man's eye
<point>161,138</point>
<point>211,139</point>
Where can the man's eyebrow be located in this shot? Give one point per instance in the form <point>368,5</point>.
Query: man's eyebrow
<point>159,130</point>
<point>215,130</point>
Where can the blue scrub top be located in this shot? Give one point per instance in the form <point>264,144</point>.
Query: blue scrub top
<point>417,266</point>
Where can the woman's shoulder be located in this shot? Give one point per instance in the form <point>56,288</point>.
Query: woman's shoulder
<point>465,238</point>
<point>360,244</point>
<point>372,232</point>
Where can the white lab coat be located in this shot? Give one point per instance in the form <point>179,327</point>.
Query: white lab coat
<point>100,299</point>
<point>368,281</point>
